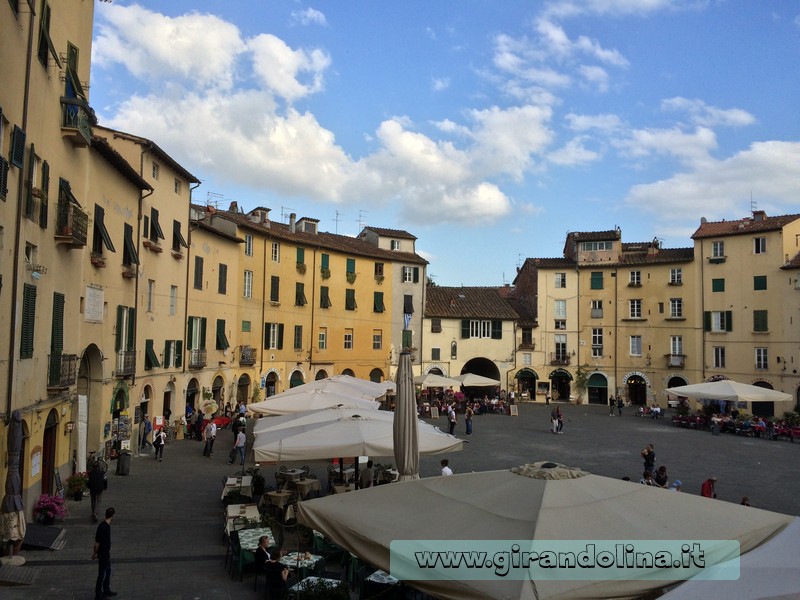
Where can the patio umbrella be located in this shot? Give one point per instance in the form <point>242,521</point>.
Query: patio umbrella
<point>313,399</point>
<point>472,380</point>
<point>368,434</point>
<point>406,423</point>
<point>267,425</point>
<point>430,380</point>
<point>579,506</point>
<point>12,509</point>
<point>729,390</point>
<point>344,384</point>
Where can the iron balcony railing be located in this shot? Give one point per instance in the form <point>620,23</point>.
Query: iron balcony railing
<point>558,359</point>
<point>247,356</point>
<point>62,370</point>
<point>76,121</point>
<point>126,363</point>
<point>72,224</point>
<point>197,358</point>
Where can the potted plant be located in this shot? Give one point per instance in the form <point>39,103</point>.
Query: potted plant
<point>324,272</point>
<point>301,268</point>
<point>351,277</point>
<point>48,507</point>
<point>76,483</point>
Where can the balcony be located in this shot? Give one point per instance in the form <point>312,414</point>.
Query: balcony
<point>198,358</point>
<point>71,225</point>
<point>76,121</point>
<point>559,359</point>
<point>126,363</point>
<point>62,370</point>
<point>676,360</point>
<point>526,346</point>
<point>247,356</point>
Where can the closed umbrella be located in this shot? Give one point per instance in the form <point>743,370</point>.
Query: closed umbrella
<point>12,510</point>
<point>406,424</point>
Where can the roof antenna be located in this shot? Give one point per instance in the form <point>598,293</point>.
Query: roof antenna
<point>753,203</point>
<point>336,220</point>
<point>361,220</point>
<point>286,212</point>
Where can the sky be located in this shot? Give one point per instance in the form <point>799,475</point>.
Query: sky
<point>488,130</point>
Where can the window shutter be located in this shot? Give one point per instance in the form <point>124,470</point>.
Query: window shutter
<point>202,333</point>
<point>131,329</point>
<point>707,320</point>
<point>57,339</point>
<point>301,256</point>
<point>198,272</point>
<point>407,338</point>
<point>17,156</point>
<point>324,260</point>
<point>45,186</point>
<point>464,329</point>
<point>728,320</point>
<point>167,357</point>
<point>351,265</point>
<point>28,321</point>
<point>3,178</point>
<point>408,304</point>
<point>378,302</point>
<point>266,336</point>
<point>120,325</point>
<point>497,330</point>
<point>190,333</point>
<point>416,274</point>
<point>280,336</point>
<point>178,353</point>
<point>29,205</point>
<point>146,227</point>
<point>223,278</point>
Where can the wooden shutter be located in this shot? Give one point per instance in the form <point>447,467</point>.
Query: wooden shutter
<point>728,320</point>
<point>28,321</point>
<point>202,333</point>
<point>167,357</point>
<point>464,329</point>
<point>131,329</point>
<point>351,265</point>
<point>497,330</point>
<point>266,336</point>
<point>707,320</point>
<point>301,256</point>
<point>29,203</point>
<point>280,336</point>
<point>415,272</point>
<point>190,334</point>
<point>17,156</point>
<point>178,353</point>
<point>223,279</point>
<point>198,272</point>
<point>120,325</point>
<point>57,327</point>
<point>44,189</point>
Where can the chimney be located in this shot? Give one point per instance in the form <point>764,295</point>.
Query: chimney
<point>292,221</point>
<point>759,215</point>
<point>234,207</point>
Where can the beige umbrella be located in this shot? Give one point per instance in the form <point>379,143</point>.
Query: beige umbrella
<point>729,390</point>
<point>343,384</point>
<point>406,424</point>
<point>430,380</point>
<point>575,506</point>
<point>312,399</point>
<point>472,380</point>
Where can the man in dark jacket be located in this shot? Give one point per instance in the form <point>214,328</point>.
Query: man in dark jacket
<point>97,483</point>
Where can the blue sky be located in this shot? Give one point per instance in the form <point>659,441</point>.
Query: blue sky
<point>487,129</point>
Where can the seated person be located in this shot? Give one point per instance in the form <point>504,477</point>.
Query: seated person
<point>277,574</point>
<point>262,554</point>
<point>367,476</point>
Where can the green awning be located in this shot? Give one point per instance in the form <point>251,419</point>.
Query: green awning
<point>597,381</point>
<point>526,372</point>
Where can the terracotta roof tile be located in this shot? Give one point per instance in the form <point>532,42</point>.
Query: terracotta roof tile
<point>395,233</point>
<point>744,226</point>
<point>468,303</point>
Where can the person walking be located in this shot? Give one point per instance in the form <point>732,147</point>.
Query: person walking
<point>559,420</point>
<point>102,552</point>
<point>238,447</point>
<point>547,398</point>
<point>451,416</point>
<point>468,419</point>
<point>620,404</point>
<point>209,434</point>
<point>554,420</point>
<point>708,489</point>
<point>159,439</point>
<point>649,457</point>
<point>611,405</point>
<point>147,427</point>
<point>97,483</point>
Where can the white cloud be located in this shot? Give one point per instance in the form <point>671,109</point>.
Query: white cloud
<point>691,148</point>
<point>596,76</point>
<point>605,123</point>
<point>554,40</point>
<point>280,67</point>
<point>703,114</point>
<point>717,188</point>
<point>573,8</point>
<point>310,16</point>
<point>440,84</point>
<point>574,152</point>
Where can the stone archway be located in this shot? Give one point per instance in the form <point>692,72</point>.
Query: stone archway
<point>349,372</point>
<point>376,375</point>
<point>92,415</point>
<point>321,374</point>
<point>636,388</point>
<point>296,378</point>
<point>597,388</point>
<point>48,456</point>
<point>243,388</point>
<point>763,409</point>
<point>560,380</point>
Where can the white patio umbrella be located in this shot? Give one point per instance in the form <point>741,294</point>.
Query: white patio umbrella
<point>430,380</point>
<point>579,507</point>
<point>729,390</point>
<point>368,434</point>
<point>472,380</point>
<point>343,384</point>
<point>272,424</point>
<point>284,404</point>
<point>406,423</point>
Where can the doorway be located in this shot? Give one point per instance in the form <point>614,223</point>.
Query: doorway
<point>49,452</point>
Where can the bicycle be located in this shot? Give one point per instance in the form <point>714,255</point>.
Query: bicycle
<point>93,459</point>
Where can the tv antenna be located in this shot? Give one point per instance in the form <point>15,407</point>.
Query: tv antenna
<point>361,220</point>
<point>753,203</point>
<point>285,212</point>
<point>336,221</point>
<point>213,199</point>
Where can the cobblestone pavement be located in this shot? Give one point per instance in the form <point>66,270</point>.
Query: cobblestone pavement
<point>167,534</point>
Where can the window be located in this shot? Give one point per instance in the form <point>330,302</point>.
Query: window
<point>156,170</point>
<point>298,337</point>
<point>395,244</point>
<point>322,338</point>
<point>560,309</point>
<point>151,292</point>
<point>300,294</point>
<point>676,308</point>
<point>156,233</point>
<point>150,358</point>
<point>169,352</point>
<point>527,337</point>
<point>408,338</point>
<point>246,326</point>
<point>377,302</point>
<point>28,321</point>
<point>527,359</point>
<point>348,339</point>
<point>46,47</point>
<point>636,345</point>
<point>561,347</point>
<point>177,187</point>
<point>33,168</point>
<point>248,284</point>
<point>597,309</point>
<point>350,299</point>
<point>177,237</point>
<point>474,328</point>
<point>408,304</point>
<point>759,245</point>
<point>173,299</point>
<point>561,280</point>
<point>759,282</point>
<point>453,350</point>
<point>719,357</point>
<point>760,323</point>
<point>377,339</point>
<point>718,321</point>
<point>676,344</point>
<point>273,336</point>
<point>324,297</point>
<point>436,325</point>
<point>717,249</point>
<point>222,284</point>
<point>595,246</point>
<point>635,278</point>
<point>676,276</point>
<point>410,274</point>
<point>378,270</point>
<point>276,252</point>
<point>635,309</point>
<point>350,269</point>
<point>248,244</point>
<point>596,281</point>
<point>324,261</point>
<point>717,285</point>
<point>597,342</point>
<point>436,354</point>
<point>762,359</point>
<point>129,255</point>
<point>274,288</point>
<point>198,272</point>
<point>301,256</point>
<point>196,334</point>
<point>560,324</point>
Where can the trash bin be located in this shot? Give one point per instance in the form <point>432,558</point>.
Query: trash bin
<point>124,463</point>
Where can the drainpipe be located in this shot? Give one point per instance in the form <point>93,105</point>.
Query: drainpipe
<point>313,310</point>
<point>702,313</point>
<point>12,337</point>
<point>263,311</point>
<point>189,230</point>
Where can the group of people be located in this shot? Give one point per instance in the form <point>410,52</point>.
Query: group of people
<point>656,477</point>
<point>654,411</point>
<point>613,403</point>
<point>556,420</point>
<point>159,438</point>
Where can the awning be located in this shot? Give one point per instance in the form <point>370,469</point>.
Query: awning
<point>526,372</point>
<point>597,381</point>
<point>560,373</point>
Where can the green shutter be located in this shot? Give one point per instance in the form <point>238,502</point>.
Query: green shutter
<point>223,278</point>
<point>378,302</point>
<point>266,336</point>
<point>717,285</point>
<point>407,338</point>
<point>351,265</point>
<point>707,320</point>
<point>120,325</point>
<point>464,329</point>
<point>728,320</point>
<point>301,256</point>
<point>280,336</point>
<point>759,282</point>
<point>28,321</point>
<point>760,322</point>
<point>497,330</point>
<point>190,333</point>
<point>131,329</point>
<point>222,339</point>
<point>274,288</point>
<point>415,272</point>
<point>596,282</point>
<point>167,357</point>
<point>202,333</point>
<point>45,185</point>
<point>17,155</point>
<point>29,205</point>
<point>178,353</point>
<point>324,260</point>
<point>57,328</point>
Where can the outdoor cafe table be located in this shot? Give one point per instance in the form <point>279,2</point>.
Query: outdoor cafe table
<point>306,486</point>
<point>235,483</point>
<point>304,563</point>
<point>248,538</point>
<point>309,581</point>
<point>279,498</point>
<point>248,511</point>
<point>293,474</point>
<point>341,489</point>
